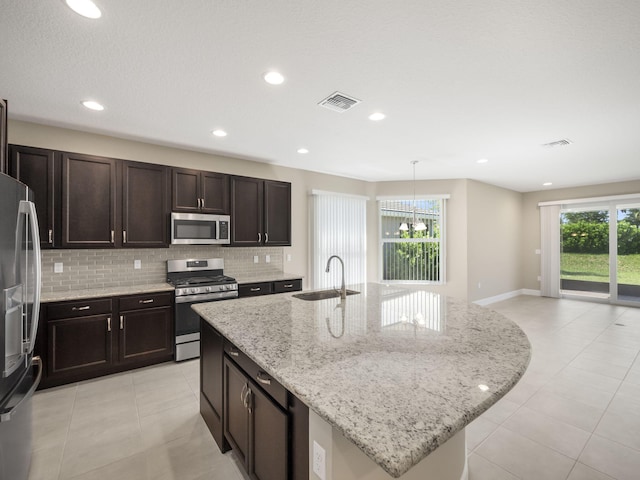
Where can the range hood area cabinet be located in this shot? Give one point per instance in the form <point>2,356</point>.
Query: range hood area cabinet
<point>87,201</point>
<point>260,212</point>
<point>196,191</point>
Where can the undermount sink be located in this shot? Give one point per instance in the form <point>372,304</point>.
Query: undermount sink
<point>322,294</point>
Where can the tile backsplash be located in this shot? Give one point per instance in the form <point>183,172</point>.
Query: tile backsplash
<point>111,268</point>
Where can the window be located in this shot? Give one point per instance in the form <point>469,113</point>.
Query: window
<point>412,240</point>
<point>339,227</point>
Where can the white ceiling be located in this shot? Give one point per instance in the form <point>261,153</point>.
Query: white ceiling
<point>458,80</point>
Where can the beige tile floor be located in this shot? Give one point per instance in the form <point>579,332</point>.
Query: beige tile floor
<point>575,415</point>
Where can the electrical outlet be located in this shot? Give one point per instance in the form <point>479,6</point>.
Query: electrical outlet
<point>319,466</point>
<point>137,264</point>
<point>288,257</point>
<point>57,267</point>
<point>267,258</point>
<point>539,278</point>
<point>255,259</point>
<point>538,251</point>
<point>479,285</point>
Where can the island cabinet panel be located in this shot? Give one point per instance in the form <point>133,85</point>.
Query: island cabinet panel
<point>88,201</point>
<point>145,205</point>
<point>236,413</point>
<point>196,191</point>
<point>39,169</point>
<point>211,382</point>
<point>248,410</point>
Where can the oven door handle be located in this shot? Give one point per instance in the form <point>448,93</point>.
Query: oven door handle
<point>208,297</point>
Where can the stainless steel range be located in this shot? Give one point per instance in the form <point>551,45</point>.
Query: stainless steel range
<point>196,281</point>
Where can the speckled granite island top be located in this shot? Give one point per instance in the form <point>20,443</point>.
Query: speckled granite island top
<point>397,370</point>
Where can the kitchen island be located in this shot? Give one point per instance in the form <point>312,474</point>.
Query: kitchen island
<point>396,371</point>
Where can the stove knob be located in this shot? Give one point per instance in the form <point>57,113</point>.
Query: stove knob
<point>194,290</point>
<point>208,289</point>
<point>227,287</point>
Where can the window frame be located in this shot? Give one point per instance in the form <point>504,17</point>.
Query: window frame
<point>441,240</point>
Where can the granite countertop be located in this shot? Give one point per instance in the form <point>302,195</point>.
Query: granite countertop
<point>265,277</point>
<point>398,370</point>
<point>104,292</point>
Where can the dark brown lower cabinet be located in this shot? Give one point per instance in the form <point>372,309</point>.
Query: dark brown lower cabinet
<point>257,428</point>
<point>90,338</point>
<point>245,409</point>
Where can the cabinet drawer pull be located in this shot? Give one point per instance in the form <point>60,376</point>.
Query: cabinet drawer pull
<point>108,324</point>
<point>233,353</point>
<point>146,301</point>
<point>288,285</point>
<point>262,378</point>
<point>76,309</point>
<point>51,236</point>
<point>121,322</point>
<point>256,289</point>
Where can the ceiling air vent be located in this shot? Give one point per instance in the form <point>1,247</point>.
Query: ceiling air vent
<point>339,102</point>
<point>558,143</point>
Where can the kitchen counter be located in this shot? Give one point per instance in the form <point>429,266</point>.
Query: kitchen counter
<point>265,277</point>
<point>397,370</point>
<point>104,292</point>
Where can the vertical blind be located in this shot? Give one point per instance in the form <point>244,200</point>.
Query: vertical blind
<point>550,251</point>
<point>339,226</point>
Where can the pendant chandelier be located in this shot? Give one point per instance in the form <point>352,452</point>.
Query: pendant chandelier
<point>415,226</point>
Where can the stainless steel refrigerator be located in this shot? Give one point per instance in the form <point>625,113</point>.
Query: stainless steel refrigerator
<point>20,277</point>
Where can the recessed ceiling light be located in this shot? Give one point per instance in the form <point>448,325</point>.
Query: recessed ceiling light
<point>219,133</point>
<point>483,160</point>
<point>90,104</point>
<point>273,78</point>
<point>377,116</point>
<point>303,150</point>
<point>86,8</point>
<point>546,184</point>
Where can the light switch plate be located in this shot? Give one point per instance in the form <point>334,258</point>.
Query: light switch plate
<point>58,267</point>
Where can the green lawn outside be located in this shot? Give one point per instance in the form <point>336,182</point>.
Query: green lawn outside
<point>595,267</point>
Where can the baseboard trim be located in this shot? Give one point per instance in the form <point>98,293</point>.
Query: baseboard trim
<point>506,296</point>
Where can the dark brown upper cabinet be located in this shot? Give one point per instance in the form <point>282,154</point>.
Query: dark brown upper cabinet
<point>260,212</point>
<point>89,201</point>
<point>39,169</point>
<point>4,138</point>
<point>197,191</point>
<point>145,205</point>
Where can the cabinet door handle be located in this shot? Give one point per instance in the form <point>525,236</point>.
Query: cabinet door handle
<point>233,353</point>
<point>266,237</point>
<point>108,324</point>
<point>77,309</point>
<point>124,236</point>
<point>202,203</point>
<point>121,322</point>
<point>113,236</point>
<point>244,389</point>
<point>51,236</point>
<point>263,378</point>
<point>150,300</point>
<point>255,289</point>
<point>259,237</point>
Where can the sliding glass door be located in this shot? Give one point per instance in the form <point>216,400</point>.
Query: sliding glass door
<point>627,264</point>
<point>600,251</point>
<point>584,251</point>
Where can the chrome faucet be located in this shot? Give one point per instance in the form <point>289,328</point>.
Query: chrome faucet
<point>343,290</point>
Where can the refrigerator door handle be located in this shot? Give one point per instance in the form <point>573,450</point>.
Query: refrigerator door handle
<point>5,415</point>
<point>29,209</point>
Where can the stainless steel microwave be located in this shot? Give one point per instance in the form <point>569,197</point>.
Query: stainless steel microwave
<point>199,229</point>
